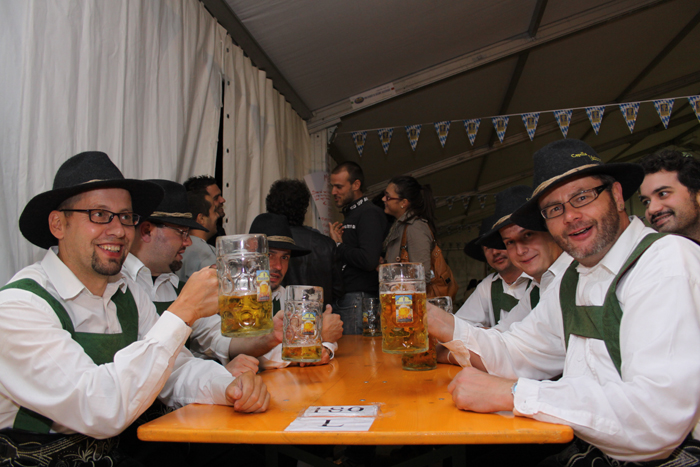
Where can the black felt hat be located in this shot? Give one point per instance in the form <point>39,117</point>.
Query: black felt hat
<point>565,159</point>
<point>86,171</point>
<point>279,235</point>
<point>473,249</point>
<point>174,208</point>
<point>507,202</point>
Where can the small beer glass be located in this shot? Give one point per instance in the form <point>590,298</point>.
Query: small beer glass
<point>245,295</point>
<point>403,313</point>
<point>370,317</point>
<point>303,322</point>
<point>427,360</point>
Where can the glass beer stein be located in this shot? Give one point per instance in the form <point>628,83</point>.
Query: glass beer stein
<point>427,360</point>
<point>245,294</point>
<point>370,317</point>
<point>403,311</point>
<point>303,322</point>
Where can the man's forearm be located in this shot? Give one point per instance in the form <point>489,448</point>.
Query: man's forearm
<point>253,346</point>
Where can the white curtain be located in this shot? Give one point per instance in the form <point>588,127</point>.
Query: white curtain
<point>137,79</point>
<point>263,140</point>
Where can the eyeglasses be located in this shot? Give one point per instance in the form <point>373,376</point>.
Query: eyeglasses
<point>102,216</point>
<point>185,234</point>
<point>389,198</point>
<point>577,201</point>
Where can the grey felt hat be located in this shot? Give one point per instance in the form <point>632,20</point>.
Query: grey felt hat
<point>507,202</point>
<point>279,235</point>
<point>174,208</point>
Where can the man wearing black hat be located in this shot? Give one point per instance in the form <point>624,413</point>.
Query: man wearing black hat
<point>623,325</point>
<point>498,292</point>
<point>84,352</point>
<point>282,248</point>
<point>155,257</point>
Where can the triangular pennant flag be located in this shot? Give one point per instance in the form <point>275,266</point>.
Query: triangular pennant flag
<point>500,124</point>
<point>442,128</point>
<point>629,111</point>
<point>385,138</point>
<point>530,121</point>
<point>595,115</point>
<point>695,104</point>
<point>359,137</point>
<point>413,133</point>
<point>664,107</point>
<point>472,127</point>
<point>564,120</point>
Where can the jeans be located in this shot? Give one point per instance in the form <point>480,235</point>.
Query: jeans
<point>349,307</point>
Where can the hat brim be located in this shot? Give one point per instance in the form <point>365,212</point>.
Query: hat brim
<point>492,238</point>
<point>181,221</point>
<point>34,220</point>
<point>629,175</point>
<point>475,251</point>
<point>295,249</point>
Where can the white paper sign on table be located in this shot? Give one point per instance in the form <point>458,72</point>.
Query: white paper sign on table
<point>335,411</point>
<point>331,424</point>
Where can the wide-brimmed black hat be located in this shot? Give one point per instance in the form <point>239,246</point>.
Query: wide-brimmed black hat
<point>507,202</point>
<point>279,235</point>
<point>86,171</point>
<point>565,159</point>
<point>473,249</point>
<point>174,208</point>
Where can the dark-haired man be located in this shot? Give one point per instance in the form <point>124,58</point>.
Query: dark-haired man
<point>200,254</point>
<point>670,192</point>
<point>359,239</point>
<point>622,324</point>
<point>207,185</point>
<point>84,352</point>
<point>291,198</point>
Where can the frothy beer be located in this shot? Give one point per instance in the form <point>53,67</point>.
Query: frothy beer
<point>243,316</point>
<point>403,322</point>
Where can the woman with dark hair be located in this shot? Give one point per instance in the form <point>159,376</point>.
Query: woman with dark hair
<point>413,206</point>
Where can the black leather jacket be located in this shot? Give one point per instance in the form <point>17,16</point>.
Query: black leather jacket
<point>321,267</point>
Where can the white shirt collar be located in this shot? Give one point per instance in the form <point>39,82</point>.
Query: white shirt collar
<point>620,251</point>
<point>67,284</point>
<point>134,267</point>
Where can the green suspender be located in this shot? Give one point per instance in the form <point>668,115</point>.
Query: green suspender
<point>501,300</point>
<point>100,347</point>
<point>534,296</point>
<point>598,322</point>
<point>161,307</point>
<point>276,306</point>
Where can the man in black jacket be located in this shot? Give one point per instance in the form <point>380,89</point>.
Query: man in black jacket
<point>291,198</point>
<point>359,239</point>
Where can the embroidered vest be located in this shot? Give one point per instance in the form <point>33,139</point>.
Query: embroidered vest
<point>99,347</point>
<point>598,322</point>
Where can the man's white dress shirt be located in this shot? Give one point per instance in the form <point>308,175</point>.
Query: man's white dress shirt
<point>647,411</point>
<point>43,369</point>
<point>478,309</point>
<point>273,358</point>
<point>206,340</point>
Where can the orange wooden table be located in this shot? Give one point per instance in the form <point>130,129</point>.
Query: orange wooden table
<point>415,408</point>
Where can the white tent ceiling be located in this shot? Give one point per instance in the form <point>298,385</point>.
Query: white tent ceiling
<point>461,59</point>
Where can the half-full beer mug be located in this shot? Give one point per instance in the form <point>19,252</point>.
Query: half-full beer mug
<point>245,294</point>
<point>427,360</point>
<point>303,322</point>
<point>404,317</point>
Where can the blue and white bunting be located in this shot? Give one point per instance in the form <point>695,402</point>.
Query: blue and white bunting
<point>442,129</point>
<point>595,115</point>
<point>359,137</point>
<point>530,121</point>
<point>564,120</point>
<point>695,104</point>
<point>500,124</point>
<point>385,138</point>
<point>472,127</point>
<point>664,107</point>
<point>629,112</point>
<point>413,133</point>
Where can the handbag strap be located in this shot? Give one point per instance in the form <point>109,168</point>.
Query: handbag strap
<point>403,250</point>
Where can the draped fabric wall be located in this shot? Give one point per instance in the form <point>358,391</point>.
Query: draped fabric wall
<point>263,140</point>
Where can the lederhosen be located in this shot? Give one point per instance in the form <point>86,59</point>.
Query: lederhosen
<point>29,442</point>
<point>603,323</point>
<point>502,301</point>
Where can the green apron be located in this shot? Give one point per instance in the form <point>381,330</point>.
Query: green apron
<point>598,322</point>
<point>161,307</point>
<point>99,347</point>
<point>502,301</point>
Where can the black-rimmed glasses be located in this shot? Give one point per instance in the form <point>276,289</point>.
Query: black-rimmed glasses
<point>389,198</point>
<point>185,234</point>
<point>103,216</point>
<point>577,201</point>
